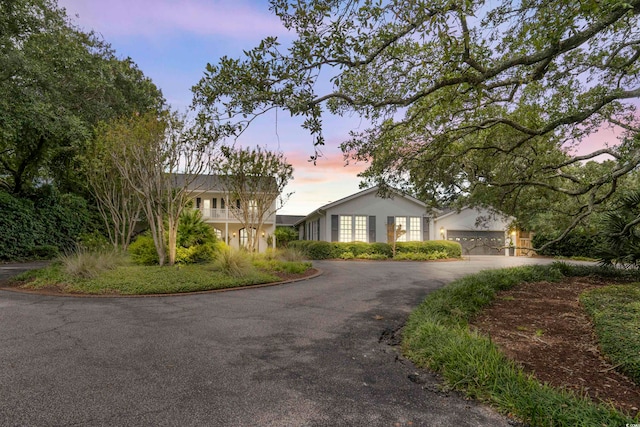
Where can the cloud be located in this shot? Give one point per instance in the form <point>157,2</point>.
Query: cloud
<point>152,18</point>
<point>328,168</point>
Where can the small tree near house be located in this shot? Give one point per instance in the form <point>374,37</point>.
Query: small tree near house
<point>160,157</point>
<point>393,234</point>
<point>255,178</point>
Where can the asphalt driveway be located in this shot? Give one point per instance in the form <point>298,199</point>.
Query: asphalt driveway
<point>302,354</point>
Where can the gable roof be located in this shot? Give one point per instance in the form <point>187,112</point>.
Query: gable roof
<point>321,209</point>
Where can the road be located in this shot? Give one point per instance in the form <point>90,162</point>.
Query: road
<point>301,354</point>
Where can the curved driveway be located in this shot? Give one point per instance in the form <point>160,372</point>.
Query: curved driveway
<point>306,353</point>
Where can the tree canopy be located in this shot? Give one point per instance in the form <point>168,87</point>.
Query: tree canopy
<point>56,83</point>
<point>469,102</point>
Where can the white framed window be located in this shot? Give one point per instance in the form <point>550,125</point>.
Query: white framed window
<point>415,232</point>
<point>346,228</point>
<point>401,223</point>
<point>412,227</point>
<point>360,228</point>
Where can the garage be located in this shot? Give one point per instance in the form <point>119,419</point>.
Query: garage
<point>478,242</point>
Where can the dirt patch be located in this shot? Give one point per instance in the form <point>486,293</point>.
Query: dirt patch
<point>544,328</point>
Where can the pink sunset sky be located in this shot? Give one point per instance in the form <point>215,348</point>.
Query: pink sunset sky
<point>173,40</point>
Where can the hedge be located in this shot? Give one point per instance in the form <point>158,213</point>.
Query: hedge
<point>326,250</point>
<point>42,225</point>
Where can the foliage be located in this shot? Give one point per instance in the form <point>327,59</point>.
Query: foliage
<point>430,249</point>
<point>41,226</point>
<point>437,336</point>
<point>160,156</point>
<point>291,254</point>
<point>373,257</point>
<point>580,243</point>
<point>347,255</point>
<point>615,313</point>
<point>284,235</point>
<point>290,267</point>
<point>204,252</point>
<point>90,264</point>
<point>621,233</point>
<point>451,249</point>
<point>56,83</point>
<point>314,249</point>
<point>143,251</point>
<point>93,242</point>
<point>496,98</point>
<point>421,256</point>
<point>234,263</point>
<point>255,178</point>
<point>192,230</point>
<point>143,280</point>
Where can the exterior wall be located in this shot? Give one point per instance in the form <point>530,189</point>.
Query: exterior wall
<point>371,205</point>
<point>227,223</point>
<point>466,220</point>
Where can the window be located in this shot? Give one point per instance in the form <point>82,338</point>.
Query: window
<point>244,237</point>
<point>346,228</point>
<point>415,234</point>
<point>198,202</point>
<point>360,229</point>
<point>214,203</point>
<point>401,222</point>
<point>353,228</point>
<point>222,203</point>
<point>412,229</point>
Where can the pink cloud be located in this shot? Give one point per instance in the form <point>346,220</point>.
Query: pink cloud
<point>151,18</point>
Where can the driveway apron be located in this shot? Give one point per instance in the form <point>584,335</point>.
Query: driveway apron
<point>312,353</point>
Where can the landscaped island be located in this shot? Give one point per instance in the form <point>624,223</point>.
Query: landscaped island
<point>109,273</point>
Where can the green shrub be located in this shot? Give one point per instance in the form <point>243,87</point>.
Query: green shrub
<point>347,255</point>
<point>314,249</point>
<point>196,254</point>
<point>234,263</point>
<point>94,241</point>
<point>376,257</point>
<point>143,250</point>
<point>44,252</point>
<point>382,249</point>
<point>31,226</point>
<point>17,223</point>
<point>284,235</point>
<point>421,256</point>
<point>192,230</point>
<point>577,243</point>
<point>452,249</point>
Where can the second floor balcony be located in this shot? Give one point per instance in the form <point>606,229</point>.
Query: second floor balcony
<point>230,214</point>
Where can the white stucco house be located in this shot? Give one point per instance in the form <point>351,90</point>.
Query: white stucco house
<point>364,216</point>
<point>222,213</point>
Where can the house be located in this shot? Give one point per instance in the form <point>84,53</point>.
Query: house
<point>222,214</point>
<point>364,216</point>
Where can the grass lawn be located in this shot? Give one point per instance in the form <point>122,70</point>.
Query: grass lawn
<point>437,336</point>
<point>615,312</point>
<point>130,279</point>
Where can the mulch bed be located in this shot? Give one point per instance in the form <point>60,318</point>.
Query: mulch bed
<point>544,328</point>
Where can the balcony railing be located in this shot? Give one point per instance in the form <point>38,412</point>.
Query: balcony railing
<point>227,214</point>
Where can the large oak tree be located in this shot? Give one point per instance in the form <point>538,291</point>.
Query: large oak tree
<point>56,83</point>
<point>469,102</point>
